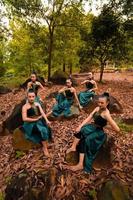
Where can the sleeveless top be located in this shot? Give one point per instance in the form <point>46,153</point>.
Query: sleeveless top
<point>89,85</point>
<point>35,88</point>
<point>99,120</point>
<point>33,111</point>
<point>69,94</point>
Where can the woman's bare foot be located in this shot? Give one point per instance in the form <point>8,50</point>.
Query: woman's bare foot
<point>70,150</point>
<point>46,153</point>
<point>76,167</point>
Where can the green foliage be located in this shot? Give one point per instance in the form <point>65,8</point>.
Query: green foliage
<point>19,154</point>
<point>2,196</point>
<point>125,127</point>
<point>93,194</point>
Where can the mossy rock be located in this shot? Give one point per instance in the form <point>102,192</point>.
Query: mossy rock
<point>4,90</point>
<point>72,158</point>
<point>113,190</point>
<point>59,77</point>
<point>20,143</point>
<point>104,158</point>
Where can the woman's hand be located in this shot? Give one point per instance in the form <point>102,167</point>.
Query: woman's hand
<point>80,107</point>
<point>78,129</point>
<point>48,122</point>
<point>39,117</point>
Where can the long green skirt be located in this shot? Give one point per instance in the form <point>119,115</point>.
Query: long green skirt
<point>63,106</point>
<point>85,97</point>
<point>91,139</point>
<point>37,131</point>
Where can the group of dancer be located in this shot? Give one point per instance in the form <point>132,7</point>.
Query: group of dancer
<point>88,137</point>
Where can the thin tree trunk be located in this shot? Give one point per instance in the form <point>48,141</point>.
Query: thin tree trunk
<point>50,56</point>
<point>64,67</point>
<point>101,71</point>
<point>70,68</point>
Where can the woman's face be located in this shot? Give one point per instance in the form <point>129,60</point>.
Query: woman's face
<point>102,102</point>
<point>31,97</point>
<point>68,83</point>
<point>90,75</point>
<point>33,77</point>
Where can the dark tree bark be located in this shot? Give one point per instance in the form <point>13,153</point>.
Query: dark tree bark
<point>101,71</point>
<point>64,67</point>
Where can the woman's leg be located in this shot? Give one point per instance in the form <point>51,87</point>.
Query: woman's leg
<point>74,144</point>
<point>45,148</point>
<point>80,164</point>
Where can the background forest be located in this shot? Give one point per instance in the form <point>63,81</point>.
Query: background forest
<point>65,35</point>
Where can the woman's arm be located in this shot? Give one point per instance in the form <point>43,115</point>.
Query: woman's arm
<point>43,114</point>
<point>62,90</point>
<point>95,86</point>
<point>41,86</point>
<point>82,83</point>
<point>112,123</point>
<point>88,119</point>
<point>76,97</point>
<point>28,119</point>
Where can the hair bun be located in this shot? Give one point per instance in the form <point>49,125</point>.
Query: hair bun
<point>106,94</point>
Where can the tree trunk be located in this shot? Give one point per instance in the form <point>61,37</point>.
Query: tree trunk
<point>101,71</point>
<point>64,67</point>
<point>50,55</point>
<point>70,68</point>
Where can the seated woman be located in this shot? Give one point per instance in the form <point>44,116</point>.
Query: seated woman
<point>65,99</point>
<point>90,135</point>
<point>35,122</point>
<point>85,97</point>
<point>35,85</point>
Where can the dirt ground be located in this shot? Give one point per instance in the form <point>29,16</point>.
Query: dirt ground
<point>121,87</point>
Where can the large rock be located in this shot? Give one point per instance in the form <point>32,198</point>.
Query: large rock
<point>15,119</point>
<point>20,143</point>
<point>59,77</point>
<point>113,190</point>
<point>4,90</point>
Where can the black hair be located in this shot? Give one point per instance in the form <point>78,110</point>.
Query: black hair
<point>30,91</point>
<point>33,72</point>
<point>69,79</point>
<point>107,97</point>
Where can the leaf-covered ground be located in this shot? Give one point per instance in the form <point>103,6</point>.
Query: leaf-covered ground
<point>34,161</point>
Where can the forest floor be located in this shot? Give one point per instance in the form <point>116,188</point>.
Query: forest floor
<point>120,86</point>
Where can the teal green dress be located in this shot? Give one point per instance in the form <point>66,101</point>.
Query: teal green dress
<point>36,131</point>
<point>86,96</point>
<point>64,103</point>
<point>91,138</point>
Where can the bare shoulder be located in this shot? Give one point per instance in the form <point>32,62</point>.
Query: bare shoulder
<point>73,89</point>
<point>25,107</point>
<point>92,81</point>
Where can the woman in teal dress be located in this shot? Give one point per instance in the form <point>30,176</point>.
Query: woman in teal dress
<point>90,135</point>
<point>36,123</point>
<point>65,100</point>
<point>91,86</point>
<point>35,86</point>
